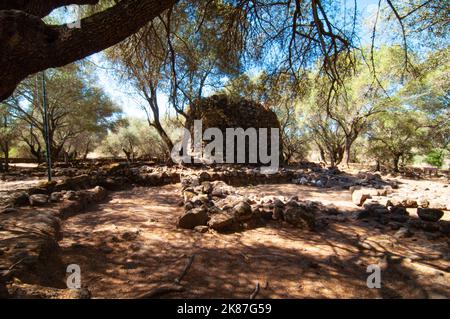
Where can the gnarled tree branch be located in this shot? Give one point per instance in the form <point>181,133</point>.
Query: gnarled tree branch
<point>29,45</point>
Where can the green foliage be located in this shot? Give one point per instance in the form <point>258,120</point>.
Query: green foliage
<point>79,112</point>
<point>436,157</point>
<point>134,139</point>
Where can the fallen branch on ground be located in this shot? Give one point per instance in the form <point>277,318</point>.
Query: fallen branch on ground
<point>255,292</point>
<point>185,270</point>
<point>161,290</point>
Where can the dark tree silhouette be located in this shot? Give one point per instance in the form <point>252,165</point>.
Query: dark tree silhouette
<point>28,45</point>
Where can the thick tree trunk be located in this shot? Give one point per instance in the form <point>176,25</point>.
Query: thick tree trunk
<point>29,45</point>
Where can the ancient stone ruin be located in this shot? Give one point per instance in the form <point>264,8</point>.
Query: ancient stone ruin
<point>222,112</point>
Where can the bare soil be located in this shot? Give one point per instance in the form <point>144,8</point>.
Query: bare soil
<point>130,245</point>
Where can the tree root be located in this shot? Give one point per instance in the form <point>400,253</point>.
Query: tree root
<point>185,270</point>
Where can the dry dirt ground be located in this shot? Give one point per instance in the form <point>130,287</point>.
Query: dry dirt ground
<point>130,245</point>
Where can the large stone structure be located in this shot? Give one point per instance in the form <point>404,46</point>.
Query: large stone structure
<point>222,111</point>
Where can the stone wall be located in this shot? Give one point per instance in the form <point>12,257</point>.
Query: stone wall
<point>221,111</point>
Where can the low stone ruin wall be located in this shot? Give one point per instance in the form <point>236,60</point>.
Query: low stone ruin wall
<point>218,206</point>
<point>386,205</point>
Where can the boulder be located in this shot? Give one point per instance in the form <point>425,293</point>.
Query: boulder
<point>98,194</point>
<point>38,200</point>
<point>192,218</point>
<point>409,203</point>
<point>360,196</point>
<point>398,214</point>
<point>56,197</point>
<point>201,229</point>
<point>242,211</point>
<point>300,216</point>
<point>70,195</point>
<point>277,213</point>
<point>430,214</point>
<point>221,221</point>
<point>21,199</point>
<point>207,187</point>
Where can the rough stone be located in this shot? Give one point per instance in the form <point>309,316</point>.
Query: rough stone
<point>300,217</point>
<point>430,214</point>
<point>21,199</point>
<point>398,214</point>
<point>56,197</point>
<point>359,197</point>
<point>201,229</point>
<point>221,221</point>
<point>242,211</point>
<point>192,218</point>
<point>38,200</point>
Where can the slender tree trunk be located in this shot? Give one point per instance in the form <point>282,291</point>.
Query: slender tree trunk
<point>86,151</point>
<point>162,133</point>
<point>378,166</point>
<point>396,160</point>
<point>6,156</point>
<point>127,154</point>
<point>347,149</point>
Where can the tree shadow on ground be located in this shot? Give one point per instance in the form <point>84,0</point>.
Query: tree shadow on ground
<point>131,245</point>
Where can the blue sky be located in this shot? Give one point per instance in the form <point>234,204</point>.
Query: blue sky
<point>124,96</point>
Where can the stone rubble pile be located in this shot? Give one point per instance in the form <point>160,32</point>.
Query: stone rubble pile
<point>388,206</point>
<point>219,206</point>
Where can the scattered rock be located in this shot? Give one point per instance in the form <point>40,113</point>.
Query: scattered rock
<point>98,193</point>
<point>242,211</point>
<point>359,197</point>
<point>38,200</point>
<point>221,221</point>
<point>201,229</point>
<point>192,218</point>
<point>430,214</point>
<point>56,197</point>
<point>277,213</point>
<point>21,199</point>
<point>398,214</point>
<point>70,195</point>
<point>300,217</point>
<point>129,235</point>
